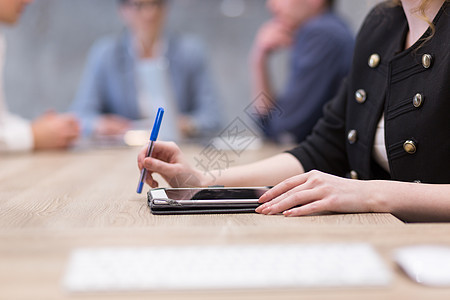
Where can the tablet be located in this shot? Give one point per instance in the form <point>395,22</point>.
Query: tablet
<point>204,200</point>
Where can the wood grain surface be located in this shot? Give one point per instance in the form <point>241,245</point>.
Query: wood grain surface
<point>54,202</point>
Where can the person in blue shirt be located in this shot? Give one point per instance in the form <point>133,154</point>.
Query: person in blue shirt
<point>128,77</point>
<point>322,47</point>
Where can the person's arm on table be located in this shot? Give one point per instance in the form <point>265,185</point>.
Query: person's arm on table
<point>170,162</point>
<point>316,192</point>
<point>50,131</point>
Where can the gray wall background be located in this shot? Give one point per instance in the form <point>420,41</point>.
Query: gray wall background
<point>47,50</point>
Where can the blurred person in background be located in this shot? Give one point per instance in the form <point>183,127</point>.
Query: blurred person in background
<point>50,131</point>
<point>321,48</point>
<point>128,77</point>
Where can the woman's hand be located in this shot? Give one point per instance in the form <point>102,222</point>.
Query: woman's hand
<point>316,192</point>
<point>168,160</point>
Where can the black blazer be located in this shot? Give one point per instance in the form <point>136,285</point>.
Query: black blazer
<point>411,87</point>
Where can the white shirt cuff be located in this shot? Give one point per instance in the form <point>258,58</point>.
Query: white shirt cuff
<point>15,134</point>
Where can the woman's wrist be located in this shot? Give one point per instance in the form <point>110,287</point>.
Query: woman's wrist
<point>205,179</point>
<point>377,198</point>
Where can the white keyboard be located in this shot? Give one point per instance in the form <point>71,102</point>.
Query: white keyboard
<point>225,267</point>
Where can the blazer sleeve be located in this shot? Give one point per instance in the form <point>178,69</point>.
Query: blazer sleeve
<point>325,148</point>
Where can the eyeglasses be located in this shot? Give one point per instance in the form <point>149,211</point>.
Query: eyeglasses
<point>141,5</point>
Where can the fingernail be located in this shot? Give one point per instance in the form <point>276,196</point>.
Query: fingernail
<point>265,210</point>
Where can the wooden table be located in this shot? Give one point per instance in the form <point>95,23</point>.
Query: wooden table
<point>52,203</point>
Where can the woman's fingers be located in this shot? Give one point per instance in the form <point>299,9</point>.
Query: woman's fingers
<point>313,191</point>
<point>150,181</point>
<point>159,166</point>
<point>166,151</point>
<point>315,207</point>
<point>281,198</point>
<point>283,187</point>
<point>298,198</point>
<point>141,156</point>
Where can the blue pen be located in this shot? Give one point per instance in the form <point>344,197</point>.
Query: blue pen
<point>153,137</point>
